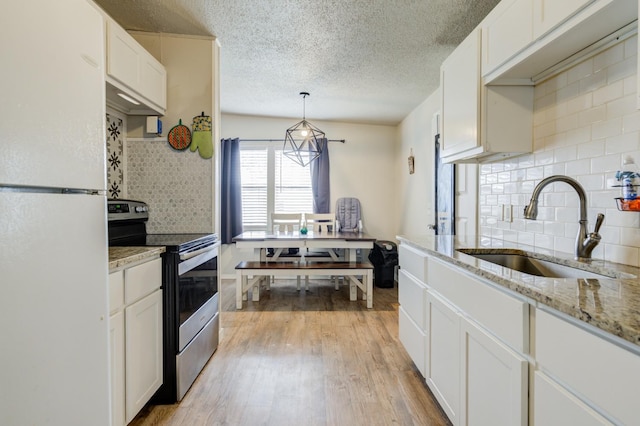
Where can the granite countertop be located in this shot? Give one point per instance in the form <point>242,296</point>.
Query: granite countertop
<point>610,304</point>
<point>120,257</point>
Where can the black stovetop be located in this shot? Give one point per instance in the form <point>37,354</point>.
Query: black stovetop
<point>180,242</point>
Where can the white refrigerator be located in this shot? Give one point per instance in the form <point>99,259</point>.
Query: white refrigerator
<point>54,362</point>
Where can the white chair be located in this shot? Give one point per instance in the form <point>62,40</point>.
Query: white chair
<point>284,223</point>
<point>321,222</point>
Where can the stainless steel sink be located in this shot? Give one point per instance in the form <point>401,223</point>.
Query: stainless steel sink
<point>522,261</point>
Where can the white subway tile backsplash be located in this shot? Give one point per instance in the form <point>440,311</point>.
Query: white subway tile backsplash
<point>609,57</point>
<point>622,254</point>
<point>592,115</point>
<point>631,47</point>
<point>621,107</point>
<point>609,234</point>
<point>622,144</point>
<point>591,149</point>
<point>606,129</point>
<point>535,173</point>
<point>544,241</point>
<point>585,122</point>
<point>622,70</point>
<point>580,71</point>
<point>630,85</point>
<point>593,81</point>
<point>564,244</point>
<point>605,164</point>
<point>631,238</point>
<point>578,167</point>
<point>566,153</point>
<point>608,93</point>
<point>631,122</point>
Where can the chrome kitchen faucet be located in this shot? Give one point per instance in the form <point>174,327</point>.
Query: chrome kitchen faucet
<point>585,242</point>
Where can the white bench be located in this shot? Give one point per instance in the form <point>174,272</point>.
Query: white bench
<point>257,270</point>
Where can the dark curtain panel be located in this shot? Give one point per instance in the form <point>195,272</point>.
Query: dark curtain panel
<point>320,186</point>
<point>231,191</point>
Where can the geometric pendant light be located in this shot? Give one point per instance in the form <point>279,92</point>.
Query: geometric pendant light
<point>303,141</point>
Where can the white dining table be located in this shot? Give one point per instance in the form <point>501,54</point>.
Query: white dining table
<point>259,241</point>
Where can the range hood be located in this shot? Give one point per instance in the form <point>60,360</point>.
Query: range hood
<point>120,98</point>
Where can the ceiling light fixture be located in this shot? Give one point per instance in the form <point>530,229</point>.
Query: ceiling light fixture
<point>303,141</point>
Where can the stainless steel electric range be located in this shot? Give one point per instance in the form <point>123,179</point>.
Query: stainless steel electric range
<point>190,294</point>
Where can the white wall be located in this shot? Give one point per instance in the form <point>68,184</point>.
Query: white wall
<point>415,193</point>
<point>363,167</point>
<point>585,122</point>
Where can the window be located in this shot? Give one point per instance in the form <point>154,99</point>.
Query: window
<point>271,182</point>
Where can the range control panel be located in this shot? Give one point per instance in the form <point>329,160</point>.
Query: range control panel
<point>127,210</point>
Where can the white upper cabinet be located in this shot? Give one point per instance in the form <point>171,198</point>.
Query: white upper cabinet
<point>135,72</point>
<point>460,84</point>
<point>523,39</point>
<point>547,14</point>
<point>481,123</point>
<point>507,30</point>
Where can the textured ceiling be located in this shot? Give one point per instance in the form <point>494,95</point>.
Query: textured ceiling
<point>370,61</point>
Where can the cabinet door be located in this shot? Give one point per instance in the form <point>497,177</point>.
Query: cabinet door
<point>547,14</point>
<point>552,405</point>
<point>143,325</point>
<point>116,350</point>
<point>460,83</point>
<point>443,355</point>
<point>123,55</point>
<point>413,339</point>
<point>494,380</point>
<point>505,32</point>
<point>153,80</point>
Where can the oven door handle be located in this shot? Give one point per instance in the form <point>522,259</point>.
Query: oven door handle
<point>195,253</point>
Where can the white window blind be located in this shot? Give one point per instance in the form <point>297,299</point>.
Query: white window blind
<point>271,182</point>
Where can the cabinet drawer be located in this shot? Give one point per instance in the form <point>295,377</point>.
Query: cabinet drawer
<point>602,372</point>
<point>506,316</point>
<point>413,261</point>
<point>555,406</point>
<point>116,291</point>
<point>142,280</point>
<point>413,339</point>
<point>411,295</point>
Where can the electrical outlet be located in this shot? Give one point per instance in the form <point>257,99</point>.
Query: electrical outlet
<point>507,212</point>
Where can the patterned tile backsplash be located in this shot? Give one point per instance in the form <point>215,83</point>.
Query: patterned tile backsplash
<point>585,122</point>
<point>115,155</point>
<point>177,185</point>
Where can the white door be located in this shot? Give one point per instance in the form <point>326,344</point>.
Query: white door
<point>143,349</point>
<point>53,94</point>
<point>494,380</point>
<point>53,310</point>
<point>443,355</point>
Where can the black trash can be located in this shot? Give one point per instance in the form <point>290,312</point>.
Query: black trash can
<point>384,257</point>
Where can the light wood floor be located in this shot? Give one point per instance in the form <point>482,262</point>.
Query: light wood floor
<point>308,358</point>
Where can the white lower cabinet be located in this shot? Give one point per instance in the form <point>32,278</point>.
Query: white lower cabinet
<point>443,355</point>
<point>552,405</point>
<point>475,340</point>
<point>494,380</point>
<point>592,370</point>
<point>143,331</point>
<point>116,348</point>
<point>135,336</point>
